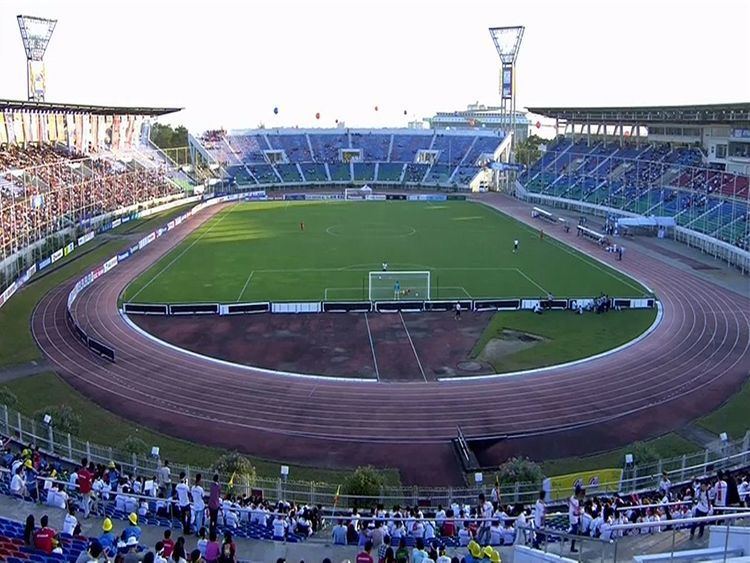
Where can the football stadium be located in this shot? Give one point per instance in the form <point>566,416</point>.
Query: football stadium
<point>510,331</point>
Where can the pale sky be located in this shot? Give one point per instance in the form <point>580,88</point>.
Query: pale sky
<point>229,63</point>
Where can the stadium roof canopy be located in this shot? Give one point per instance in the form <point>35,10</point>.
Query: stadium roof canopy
<point>697,115</point>
<point>23,105</point>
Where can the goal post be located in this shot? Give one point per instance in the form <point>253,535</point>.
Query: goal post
<point>397,285</point>
<point>357,194</point>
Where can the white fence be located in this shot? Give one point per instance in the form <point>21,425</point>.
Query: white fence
<point>70,448</point>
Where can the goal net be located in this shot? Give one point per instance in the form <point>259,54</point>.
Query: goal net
<point>357,194</point>
<point>394,286</point>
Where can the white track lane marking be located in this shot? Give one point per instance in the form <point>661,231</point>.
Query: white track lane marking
<point>413,349</point>
<point>372,347</point>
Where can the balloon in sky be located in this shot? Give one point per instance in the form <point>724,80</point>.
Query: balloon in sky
<point>376,108</point>
<point>538,124</point>
<point>404,112</point>
<point>337,121</point>
<point>276,111</point>
<point>317,115</point>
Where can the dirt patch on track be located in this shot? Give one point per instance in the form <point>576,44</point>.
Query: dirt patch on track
<point>510,342</point>
<point>422,347</point>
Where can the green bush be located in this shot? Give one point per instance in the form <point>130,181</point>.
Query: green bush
<point>7,397</point>
<point>644,453</point>
<point>238,469</point>
<point>64,418</point>
<point>363,482</point>
<point>134,445</point>
<point>519,470</point>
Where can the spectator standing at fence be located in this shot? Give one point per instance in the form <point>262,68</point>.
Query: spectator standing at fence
<point>702,508</point>
<point>574,515</point>
<point>743,491</point>
<point>164,476</point>
<point>214,502</point>
<point>540,512</point>
<point>199,505</point>
<point>183,502</point>
<point>720,491</point>
<point>484,510</point>
<point>665,484</point>
<point>733,495</point>
<point>338,534</point>
<point>85,483</point>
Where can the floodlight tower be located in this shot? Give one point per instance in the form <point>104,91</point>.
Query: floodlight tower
<point>507,42</point>
<point>36,33</point>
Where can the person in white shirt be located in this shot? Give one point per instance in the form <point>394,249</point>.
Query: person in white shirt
<point>665,484</point>
<point>744,491</point>
<point>540,510</point>
<point>183,502</point>
<point>279,528</point>
<point>199,505</point>
<point>464,535</point>
<point>70,522</point>
<point>496,533</point>
<point>440,517</point>
<point>720,491</point>
<point>73,481</point>
<point>164,476</point>
<point>574,514</point>
<point>17,484</point>
<point>417,528</point>
<point>485,512</point>
<point>57,497</point>
<point>702,508</point>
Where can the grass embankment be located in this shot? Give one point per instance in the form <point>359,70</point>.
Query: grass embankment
<point>732,417</point>
<point>102,427</point>
<point>565,336</point>
<point>669,445</point>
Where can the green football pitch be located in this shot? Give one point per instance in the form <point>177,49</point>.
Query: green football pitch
<point>258,252</point>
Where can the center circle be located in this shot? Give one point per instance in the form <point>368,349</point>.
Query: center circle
<point>372,230</point>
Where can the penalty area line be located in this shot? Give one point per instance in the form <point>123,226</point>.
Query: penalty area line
<point>244,287</point>
<point>419,363</point>
<point>372,347</point>
<point>520,271</point>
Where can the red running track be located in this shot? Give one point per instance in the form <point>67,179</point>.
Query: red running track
<point>693,361</point>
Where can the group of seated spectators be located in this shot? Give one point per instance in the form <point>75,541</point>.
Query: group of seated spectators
<point>45,188</point>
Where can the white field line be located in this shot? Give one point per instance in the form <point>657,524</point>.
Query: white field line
<point>181,254</point>
<point>372,347</point>
<point>244,287</point>
<point>532,281</point>
<point>412,346</point>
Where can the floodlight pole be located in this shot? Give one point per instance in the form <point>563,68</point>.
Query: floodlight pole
<point>35,33</point>
<point>507,41</point>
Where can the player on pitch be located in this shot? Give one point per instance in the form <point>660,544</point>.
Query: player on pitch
<point>397,289</point>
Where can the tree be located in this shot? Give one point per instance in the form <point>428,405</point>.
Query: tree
<point>644,453</point>
<point>519,470</point>
<point>134,445</point>
<point>64,418</point>
<point>527,151</point>
<point>165,137</point>
<point>239,470</point>
<point>7,397</point>
<point>365,481</point>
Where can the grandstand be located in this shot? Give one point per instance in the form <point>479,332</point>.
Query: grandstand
<point>398,157</point>
<point>684,162</point>
<point>64,168</point>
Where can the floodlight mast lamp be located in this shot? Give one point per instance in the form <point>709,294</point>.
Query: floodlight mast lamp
<point>36,34</point>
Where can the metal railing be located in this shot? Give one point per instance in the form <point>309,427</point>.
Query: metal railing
<point>70,448</point>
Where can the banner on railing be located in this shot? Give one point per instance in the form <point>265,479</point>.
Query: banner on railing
<point>44,263</point>
<point>148,239</point>
<point>562,486</point>
<point>109,264</point>
<point>123,256</point>
<point>56,255</point>
<point>8,293</point>
<point>69,248</point>
<point>85,238</point>
<point>116,223</point>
